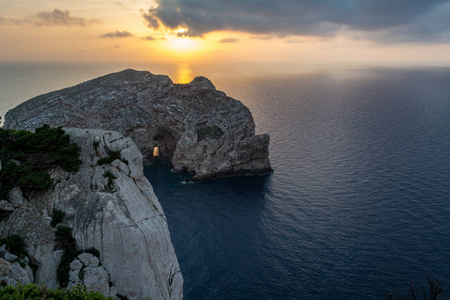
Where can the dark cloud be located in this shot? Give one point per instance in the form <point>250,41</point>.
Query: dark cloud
<point>148,38</point>
<point>296,17</point>
<point>261,37</point>
<point>182,34</point>
<point>228,40</point>
<point>151,18</point>
<point>61,18</point>
<point>117,34</point>
<point>57,17</point>
<point>432,27</point>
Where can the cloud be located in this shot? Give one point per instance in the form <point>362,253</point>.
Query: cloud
<point>117,46</point>
<point>228,40</point>
<point>57,17</point>
<point>262,37</point>
<point>297,17</point>
<point>117,34</point>
<point>148,38</point>
<point>62,18</point>
<point>432,27</point>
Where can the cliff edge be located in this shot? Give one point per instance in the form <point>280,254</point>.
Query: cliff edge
<point>109,206</point>
<point>195,127</point>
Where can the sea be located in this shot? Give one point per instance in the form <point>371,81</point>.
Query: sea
<point>358,205</point>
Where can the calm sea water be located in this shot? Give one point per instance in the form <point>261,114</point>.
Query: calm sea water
<point>358,205</point>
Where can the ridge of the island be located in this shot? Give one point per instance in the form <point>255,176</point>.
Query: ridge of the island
<point>195,127</point>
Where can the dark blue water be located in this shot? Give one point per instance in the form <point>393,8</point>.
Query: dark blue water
<point>358,205</point>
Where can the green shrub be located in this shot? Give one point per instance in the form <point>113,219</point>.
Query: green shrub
<point>15,244</point>
<point>53,147</point>
<point>112,156</point>
<point>105,160</point>
<point>110,177</point>
<point>65,242</point>
<point>34,292</point>
<point>57,217</point>
<point>36,152</point>
<point>25,176</point>
<point>93,251</point>
<point>64,237</point>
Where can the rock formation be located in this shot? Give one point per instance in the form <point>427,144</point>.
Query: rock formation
<point>11,270</point>
<point>197,128</point>
<point>109,205</point>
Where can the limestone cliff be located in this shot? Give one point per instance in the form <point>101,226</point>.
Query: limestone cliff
<point>110,206</point>
<point>197,128</point>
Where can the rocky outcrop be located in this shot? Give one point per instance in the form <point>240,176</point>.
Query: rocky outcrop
<point>197,128</point>
<point>110,206</point>
<point>86,271</point>
<point>13,270</point>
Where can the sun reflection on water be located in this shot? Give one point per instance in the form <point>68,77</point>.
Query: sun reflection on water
<point>184,74</point>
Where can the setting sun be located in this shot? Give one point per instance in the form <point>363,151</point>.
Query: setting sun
<point>183,44</point>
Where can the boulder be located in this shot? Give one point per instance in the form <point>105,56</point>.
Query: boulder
<point>15,197</point>
<point>5,267</point>
<point>9,256</point>
<point>96,279</point>
<point>6,206</point>
<point>20,274</point>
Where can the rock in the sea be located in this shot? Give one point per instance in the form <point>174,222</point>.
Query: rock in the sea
<point>195,127</point>
<point>110,207</point>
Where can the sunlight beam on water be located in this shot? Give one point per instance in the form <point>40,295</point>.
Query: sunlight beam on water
<point>184,74</point>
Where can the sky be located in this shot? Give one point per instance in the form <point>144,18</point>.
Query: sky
<point>409,32</point>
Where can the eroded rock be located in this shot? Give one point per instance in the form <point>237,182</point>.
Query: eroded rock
<point>195,127</point>
<point>119,215</point>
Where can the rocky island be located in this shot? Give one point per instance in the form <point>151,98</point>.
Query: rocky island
<point>196,128</point>
<point>92,220</point>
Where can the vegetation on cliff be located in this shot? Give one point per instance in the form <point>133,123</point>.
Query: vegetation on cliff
<point>35,292</point>
<point>27,157</point>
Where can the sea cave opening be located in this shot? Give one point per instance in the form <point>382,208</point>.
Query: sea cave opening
<point>164,144</point>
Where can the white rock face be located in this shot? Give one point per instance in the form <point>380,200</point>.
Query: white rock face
<point>86,270</point>
<point>20,274</point>
<point>5,267</point>
<point>196,127</point>
<point>120,216</point>
<point>15,197</point>
<point>13,272</point>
